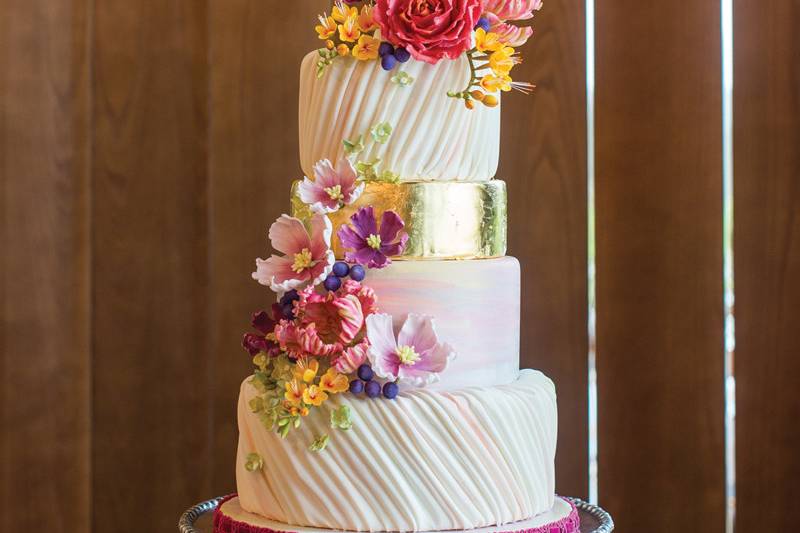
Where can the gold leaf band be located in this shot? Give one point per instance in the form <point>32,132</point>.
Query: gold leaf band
<point>444,220</point>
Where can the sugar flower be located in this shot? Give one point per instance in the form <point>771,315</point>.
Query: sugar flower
<point>337,318</point>
<point>334,382</point>
<point>429,30</point>
<point>255,343</point>
<point>306,369</point>
<point>415,356</point>
<point>498,12</point>
<point>331,187</point>
<point>326,27</point>
<point>367,48</point>
<point>351,358</point>
<point>348,30</point>
<point>301,341</point>
<point>308,258</point>
<point>295,391</point>
<point>370,246</point>
<point>313,395</point>
<point>502,60</point>
<point>342,12</point>
<point>487,41</point>
<point>366,22</point>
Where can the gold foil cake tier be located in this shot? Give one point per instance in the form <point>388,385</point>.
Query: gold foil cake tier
<point>444,220</point>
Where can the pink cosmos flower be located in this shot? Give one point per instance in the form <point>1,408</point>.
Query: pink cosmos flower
<point>308,258</point>
<point>331,187</point>
<point>429,29</point>
<point>500,11</point>
<point>415,356</point>
<point>372,247</point>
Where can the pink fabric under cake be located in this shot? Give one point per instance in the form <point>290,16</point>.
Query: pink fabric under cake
<point>476,306</point>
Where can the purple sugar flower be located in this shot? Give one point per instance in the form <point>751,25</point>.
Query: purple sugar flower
<point>371,246</point>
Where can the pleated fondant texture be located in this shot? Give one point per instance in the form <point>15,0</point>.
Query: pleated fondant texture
<point>425,461</point>
<point>434,136</point>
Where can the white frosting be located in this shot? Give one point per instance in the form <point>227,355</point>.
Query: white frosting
<point>435,137</point>
<point>426,461</point>
<point>476,307</point>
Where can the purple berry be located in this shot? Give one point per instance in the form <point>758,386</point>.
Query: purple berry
<point>365,373</point>
<point>356,386</point>
<point>402,55</point>
<point>390,390</point>
<point>388,62</point>
<point>385,49</point>
<point>484,23</point>
<point>340,269</point>
<point>332,283</point>
<point>373,389</point>
<point>357,273</point>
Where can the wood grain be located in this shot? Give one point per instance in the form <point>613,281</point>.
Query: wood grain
<point>152,378</point>
<point>45,359</point>
<point>543,160</point>
<point>253,159</point>
<point>659,265</point>
<point>767,262</point>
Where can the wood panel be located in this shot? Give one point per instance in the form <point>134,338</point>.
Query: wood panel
<point>659,265</point>
<point>543,160</point>
<point>152,378</point>
<point>44,199</point>
<point>254,157</point>
<point>767,261</point>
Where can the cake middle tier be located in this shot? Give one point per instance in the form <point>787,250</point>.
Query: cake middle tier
<point>444,220</point>
<point>475,306</point>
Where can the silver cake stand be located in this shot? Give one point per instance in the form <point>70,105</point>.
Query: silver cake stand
<point>198,519</point>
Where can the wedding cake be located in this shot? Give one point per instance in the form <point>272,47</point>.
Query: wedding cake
<point>387,393</point>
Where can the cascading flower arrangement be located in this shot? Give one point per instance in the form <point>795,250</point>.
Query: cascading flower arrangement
<point>487,32</point>
<point>325,336</point>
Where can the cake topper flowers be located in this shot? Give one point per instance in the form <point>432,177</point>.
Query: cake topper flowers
<point>308,257</point>
<point>331,187</point>
<point>415,356</point>
<point>486,32</point>
<point>372,246</point>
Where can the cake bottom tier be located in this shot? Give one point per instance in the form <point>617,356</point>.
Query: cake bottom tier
<point>231,518</point>
<point>426,461</point>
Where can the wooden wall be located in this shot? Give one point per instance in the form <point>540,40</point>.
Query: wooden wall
<point>145,146</point>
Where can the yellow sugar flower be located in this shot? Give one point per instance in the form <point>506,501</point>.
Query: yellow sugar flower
<point>365,20</point>
<point>367,48</point>
<point>326,27</point>
<point>313,395</point>
<point>334,382</point>
<point>306,369</point>
<point>343,50</point>
<point>487,41</point>
<point>295,392</point>
<point>502,60</point>
<point>348,30</point>
<point>342,12</point>
<point>491,83</point>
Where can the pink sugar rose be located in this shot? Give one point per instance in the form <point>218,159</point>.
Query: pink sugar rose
<point>429,29</point>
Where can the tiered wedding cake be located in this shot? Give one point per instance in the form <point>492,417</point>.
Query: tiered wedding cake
<point>387,394</point>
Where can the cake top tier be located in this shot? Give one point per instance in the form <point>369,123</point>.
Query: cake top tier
<point>427,72</point>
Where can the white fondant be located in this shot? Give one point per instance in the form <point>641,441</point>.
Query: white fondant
<point>560,510</point>
<point>426,461</point>
<point>434,136</point>
<point>476,305</point>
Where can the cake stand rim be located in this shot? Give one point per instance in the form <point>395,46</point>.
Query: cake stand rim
<point>190,516</point>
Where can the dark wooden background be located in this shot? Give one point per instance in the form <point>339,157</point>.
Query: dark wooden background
<point>145,146</point>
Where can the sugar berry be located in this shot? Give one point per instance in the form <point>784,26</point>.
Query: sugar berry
<point>356,386</point>
<point>373,389</point>
<point>357,273</point>
<point>365,372</point>
<point>332,283</point>
<point>385,49</point>
<point>341,269</point>
<point>402,55</point>
<point>390,390</point>
<point>388,62</point>
<point>484,23</point>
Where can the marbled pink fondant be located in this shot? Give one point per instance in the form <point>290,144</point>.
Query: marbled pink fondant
<point>475,305</point>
